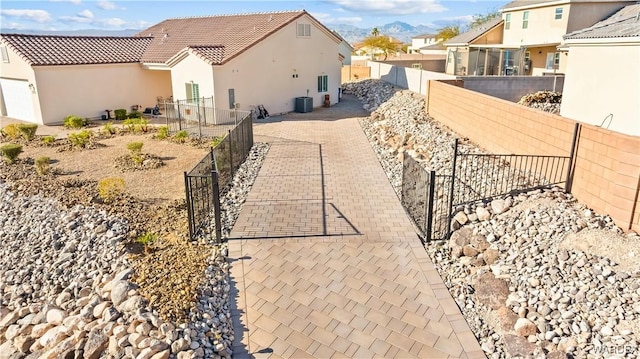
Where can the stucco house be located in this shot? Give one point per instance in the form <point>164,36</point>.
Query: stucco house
<point>529,33</point>
<point>422,42</point>
<point>601,84</point>
<point>241,61</point>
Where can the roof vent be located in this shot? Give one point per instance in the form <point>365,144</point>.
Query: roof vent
<point>270,17</point>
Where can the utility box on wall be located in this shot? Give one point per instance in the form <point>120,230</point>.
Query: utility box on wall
<point>304,104</point>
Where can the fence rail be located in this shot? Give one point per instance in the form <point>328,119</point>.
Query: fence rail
<point>432,199</point>
<point>201,117</point>
<point>205,182</point>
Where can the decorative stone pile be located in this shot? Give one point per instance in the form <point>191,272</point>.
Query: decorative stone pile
<point>548,101</point>
<point>66,288</point>
<point>513,265</point>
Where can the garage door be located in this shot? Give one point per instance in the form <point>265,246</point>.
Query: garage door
<point>18,99</point>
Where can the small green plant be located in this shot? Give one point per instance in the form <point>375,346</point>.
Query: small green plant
<point>163,132</point>
<point>110,188</point>
<point>10,152</point>
<point>74,122</point>
<point>181,136</point>
<point>136,124</point>
<point>11,131</point>
<point>147,240</point>
<point>28,130</point>
<point>135,150</point>
<point>135,114</point>
<point>108,129</point>
<point>120,114</point>
<point>80,139</point>
<point>216,141</point>
<point>42,165</point>
<point>48,140</point>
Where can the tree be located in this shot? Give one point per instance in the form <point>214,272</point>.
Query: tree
<point>380,45</point>
<point>479,19</point>
<point>375,32</point>
<point>448,32</point>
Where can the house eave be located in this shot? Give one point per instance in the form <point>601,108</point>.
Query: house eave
<point>156,66</point>
<point>617,41</point>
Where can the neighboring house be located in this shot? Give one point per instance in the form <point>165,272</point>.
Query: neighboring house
<point>421,41</point>
<point>471,53</point>
<point>363,50</point>
<point>435,49</point>
<point>525,39</point>
<point>537,27</point>
<point>241,60</point>
<point>601,85</point>
<point>45,78</point>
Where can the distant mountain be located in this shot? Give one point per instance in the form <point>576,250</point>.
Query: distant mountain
<point>398,29</point>
<point>86,32</point>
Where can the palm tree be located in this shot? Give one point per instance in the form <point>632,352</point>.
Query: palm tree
<point>375,31</point>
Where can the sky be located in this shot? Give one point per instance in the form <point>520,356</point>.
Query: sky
<point>66,15</point>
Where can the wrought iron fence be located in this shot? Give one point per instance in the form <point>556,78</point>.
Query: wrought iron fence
<point>206,182</point>
<point>201,117</point>
<point>431,199</point>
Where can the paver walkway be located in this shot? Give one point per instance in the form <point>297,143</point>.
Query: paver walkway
<point>325,263</point>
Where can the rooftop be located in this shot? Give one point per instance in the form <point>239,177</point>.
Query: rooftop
<point>467,37</point>
<point>624,23</point>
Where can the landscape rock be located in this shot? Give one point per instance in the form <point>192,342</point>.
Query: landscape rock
<point>491,291</point>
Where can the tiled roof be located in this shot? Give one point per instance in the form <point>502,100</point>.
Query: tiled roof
<point>76,50</point>
<point>235,33</point>
<point>212,54</point>
<point>467,37</point>
<point>425,36</point>
<point>624,23</point>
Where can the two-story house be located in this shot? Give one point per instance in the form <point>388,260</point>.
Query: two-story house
<point>421,42</point>
<point>524,40</point>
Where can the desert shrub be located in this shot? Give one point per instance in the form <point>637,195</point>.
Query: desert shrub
<point>216,141</point>
<point>147,240</point>
<point>108,129</point>
<point>42,165</point>
<point>28,130</point>
<point>135,149</point>
<point>48,139</point>
<point>135,114</point>
<point>163,132</point>
<point>11,131</point>
<point>181,136</point>
<point>110,188</point>
<point>10,152</point>
<point>136,124</point>
<point>120,114</point>
<point>80,139</point>
<point>74,122</point>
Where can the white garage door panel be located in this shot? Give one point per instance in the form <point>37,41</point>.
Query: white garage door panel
<point>18,99</point>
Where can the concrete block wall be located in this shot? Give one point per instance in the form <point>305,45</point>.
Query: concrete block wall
<point>512,88</point>
<point>607,164</point>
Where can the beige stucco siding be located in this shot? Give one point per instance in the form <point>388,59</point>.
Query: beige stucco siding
<point>88,90</point>
<point>18,69</point>
<point>583,15</point>
<point>542,27</point>
<point>192,69</point>
<point>264,74</point>
<point>594,88</point>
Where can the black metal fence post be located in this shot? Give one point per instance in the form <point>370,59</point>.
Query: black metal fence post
<point>187,186</point>
<point>453,181</point>
<point>574,143</point>
<point>230,152</point>
<point>216,205</point>
<point>429,204</point>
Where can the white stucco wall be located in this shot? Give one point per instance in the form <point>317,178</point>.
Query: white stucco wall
<point>191,69</point>
<point>264,73</point>
<point>88,90</point>
<point>542,27</point>
<point>18,69</point>
<point>595,87</point>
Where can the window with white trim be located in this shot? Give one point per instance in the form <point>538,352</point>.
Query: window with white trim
<point>193,92</point>
<point>5,54</point>
<point>558,15</point>
<point>323,82</point>
<point>304,30</point>
<point>525,20</point>
<point>507,21</point>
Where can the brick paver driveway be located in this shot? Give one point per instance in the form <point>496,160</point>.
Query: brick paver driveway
<point>325,263</point>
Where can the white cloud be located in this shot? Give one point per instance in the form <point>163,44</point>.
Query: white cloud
<point>40,16</point>
<point>113,22</point>
<point>86,14</point>
<point>78,19</point>
<point>329,19</point>
<point>390,7</point>
<point>106,5</point>
<point>75,2</point>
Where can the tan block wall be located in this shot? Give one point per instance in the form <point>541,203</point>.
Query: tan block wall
<point>607,163</point>
<point>351,73</point>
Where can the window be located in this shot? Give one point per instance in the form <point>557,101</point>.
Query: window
<point>556,59</point>
<point>323,80</point>
<point>525,20</point>
<point>5,54</point>
<point>304,30</point>
<point>507,21</point>
<point>553,60</point>
<point>558,13</point>
<point>193,92</point>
